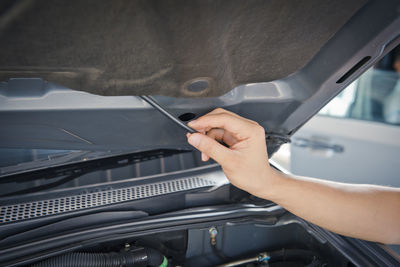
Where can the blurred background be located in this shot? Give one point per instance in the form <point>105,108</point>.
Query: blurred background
<point>356,137</point>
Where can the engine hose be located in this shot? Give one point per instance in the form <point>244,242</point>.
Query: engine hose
<point>135,258</point>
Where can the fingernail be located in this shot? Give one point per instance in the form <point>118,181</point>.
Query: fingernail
<point>194,140</point>
<point>193,122</point>
<point>204,157</point>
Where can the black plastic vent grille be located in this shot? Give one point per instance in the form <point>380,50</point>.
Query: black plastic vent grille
<point>29,210</point>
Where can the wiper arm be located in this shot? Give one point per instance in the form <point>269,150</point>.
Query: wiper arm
<point>75,169</point>
<point>52,159</point>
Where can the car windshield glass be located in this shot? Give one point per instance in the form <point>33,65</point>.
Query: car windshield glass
<point>13,156</point>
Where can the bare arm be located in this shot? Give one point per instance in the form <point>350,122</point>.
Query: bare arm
<point>363,211</point>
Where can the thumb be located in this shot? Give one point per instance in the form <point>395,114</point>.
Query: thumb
<point>210,147</point>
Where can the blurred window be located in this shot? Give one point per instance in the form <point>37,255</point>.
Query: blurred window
<point>374,96</point>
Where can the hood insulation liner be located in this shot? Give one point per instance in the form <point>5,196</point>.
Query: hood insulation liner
<point>176,47</point>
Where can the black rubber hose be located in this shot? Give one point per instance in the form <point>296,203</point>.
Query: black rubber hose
<point>136,258</point>
<point>154,257</point>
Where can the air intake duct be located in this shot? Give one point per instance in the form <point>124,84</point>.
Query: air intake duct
<point>134,258</point>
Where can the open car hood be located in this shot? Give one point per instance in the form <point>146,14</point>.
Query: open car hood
<point>71,71</point>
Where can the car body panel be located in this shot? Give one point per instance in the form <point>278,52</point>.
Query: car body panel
<point>370,151</point>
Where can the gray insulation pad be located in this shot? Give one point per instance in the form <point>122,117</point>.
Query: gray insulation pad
<point>158,47</point>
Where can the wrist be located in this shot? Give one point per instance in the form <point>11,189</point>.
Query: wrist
<point>271,185</point>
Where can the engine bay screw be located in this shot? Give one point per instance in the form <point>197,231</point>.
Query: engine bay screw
<point>263,257</point>
<point>213,234</point>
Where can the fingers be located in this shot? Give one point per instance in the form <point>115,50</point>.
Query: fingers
<point>210,147</point>
<point>222,136</point>
<point>239,127</point>
<point>204,157</point>
<point>221,111</point>
<point>223,126</point>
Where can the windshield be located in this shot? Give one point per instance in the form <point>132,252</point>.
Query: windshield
<point>14,156</point>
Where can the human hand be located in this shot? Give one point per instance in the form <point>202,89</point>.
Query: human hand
<point>245,161</point>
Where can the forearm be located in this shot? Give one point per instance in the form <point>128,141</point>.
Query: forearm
<point>363,211</point>
<point>367,212</point>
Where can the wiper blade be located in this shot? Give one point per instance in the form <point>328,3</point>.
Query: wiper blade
<point>51,159</point>
<point>75,169</point>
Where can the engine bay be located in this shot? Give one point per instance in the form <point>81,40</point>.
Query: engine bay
<point>262,243</point>
<point>173,211</point>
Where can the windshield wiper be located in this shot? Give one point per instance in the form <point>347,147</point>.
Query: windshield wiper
<point>84,165</point>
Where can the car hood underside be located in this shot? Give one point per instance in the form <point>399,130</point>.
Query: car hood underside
<point>158,47</point>
<point>70,72</point>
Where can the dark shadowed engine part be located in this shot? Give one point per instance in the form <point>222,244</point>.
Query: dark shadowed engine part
<point>135,258</point>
